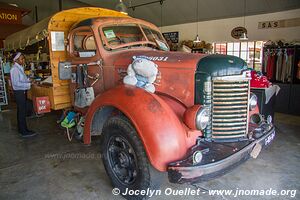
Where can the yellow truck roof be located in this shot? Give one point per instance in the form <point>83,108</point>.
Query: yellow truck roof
<point>61,21</point>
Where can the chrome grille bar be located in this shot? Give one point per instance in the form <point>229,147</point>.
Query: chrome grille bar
<point>230,98</point>
<point>229,128</point>
<point>231,94</point>
<point>228,116</point>
<point>230,89</point>
<point>230,111</point>
<point>227,120</point>
<point>229,124</point>
<point>231,102</point>
<point>230,85</point>
<point>229,133</point>
<point>230,106</point>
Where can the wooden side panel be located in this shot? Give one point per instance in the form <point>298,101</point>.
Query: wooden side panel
<point>62,98</point>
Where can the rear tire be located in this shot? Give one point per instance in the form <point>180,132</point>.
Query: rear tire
<point>125,159</point>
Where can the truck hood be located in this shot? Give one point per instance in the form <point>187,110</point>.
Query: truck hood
<point>179,71</point>
<point>221,65</point>
<point>212,65</point>
<point>162,58</point>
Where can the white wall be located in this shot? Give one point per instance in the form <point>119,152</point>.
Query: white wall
<point>220,30</point>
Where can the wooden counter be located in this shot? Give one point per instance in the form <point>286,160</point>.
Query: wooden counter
<point>59,96</point>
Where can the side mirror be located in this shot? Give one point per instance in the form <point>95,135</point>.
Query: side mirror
<point>65,70</point>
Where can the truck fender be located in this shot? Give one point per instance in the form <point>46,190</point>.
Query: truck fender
<point>160,130</point>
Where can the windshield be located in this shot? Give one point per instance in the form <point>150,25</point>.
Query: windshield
<point>152,35</point>
<point>126,35</point>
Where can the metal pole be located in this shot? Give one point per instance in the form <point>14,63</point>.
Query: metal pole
<point>60,4</point>
<point>36,14</point>
<point>144,4</point>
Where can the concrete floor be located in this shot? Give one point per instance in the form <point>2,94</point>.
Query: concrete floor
<point>27,171</point>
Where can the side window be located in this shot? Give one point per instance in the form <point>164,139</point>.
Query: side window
<point>78,42</point>
<point>84,44</point>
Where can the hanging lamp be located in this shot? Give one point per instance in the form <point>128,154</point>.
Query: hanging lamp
<point>243,37</point>
<point>121,7</point>
<point>197,39</point>
<point>244,34</point>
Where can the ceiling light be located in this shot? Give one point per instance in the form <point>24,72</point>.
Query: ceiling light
<point>244,37</point>
<point>244,34</point>
<point>121,7</point>
<point>197,40</point>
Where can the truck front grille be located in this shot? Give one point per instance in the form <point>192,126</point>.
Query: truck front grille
<point>230,108</point>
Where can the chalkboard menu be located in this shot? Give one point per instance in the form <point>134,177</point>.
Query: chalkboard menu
<point>172,36</point>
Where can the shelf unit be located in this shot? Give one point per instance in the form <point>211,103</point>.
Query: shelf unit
<point>3,94</point>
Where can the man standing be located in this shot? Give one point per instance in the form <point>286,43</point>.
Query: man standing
<point>20,84</point>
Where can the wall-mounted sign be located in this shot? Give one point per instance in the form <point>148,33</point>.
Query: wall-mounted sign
<point>279,23</point>
<point>10,17</point>
<point>172,36</point>
<point>237,32</point>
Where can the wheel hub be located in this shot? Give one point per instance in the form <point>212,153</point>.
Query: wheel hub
<point>122,159</point>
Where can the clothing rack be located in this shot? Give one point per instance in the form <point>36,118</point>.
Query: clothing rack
<point>288,98</point>
<point>3,94</point>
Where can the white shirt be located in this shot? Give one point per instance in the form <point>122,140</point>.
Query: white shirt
<point>18,78</point>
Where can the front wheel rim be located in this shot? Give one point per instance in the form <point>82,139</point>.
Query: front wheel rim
<point>122,160</point>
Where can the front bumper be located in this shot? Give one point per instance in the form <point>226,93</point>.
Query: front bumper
<point>218,158</point>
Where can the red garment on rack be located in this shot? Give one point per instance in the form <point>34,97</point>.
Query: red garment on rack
<point>298,70</point>
<point>271,67</point>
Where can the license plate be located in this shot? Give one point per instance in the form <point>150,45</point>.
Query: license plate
<point>269,139</point>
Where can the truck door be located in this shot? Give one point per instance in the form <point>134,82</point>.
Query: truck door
<point>83,51</point>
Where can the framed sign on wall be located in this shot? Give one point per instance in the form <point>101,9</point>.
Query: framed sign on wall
<point>172,36</point>
<point>237,32</point>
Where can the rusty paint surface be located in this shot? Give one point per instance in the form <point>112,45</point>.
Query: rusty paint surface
<point>163,142</point>
<point>154,106</point>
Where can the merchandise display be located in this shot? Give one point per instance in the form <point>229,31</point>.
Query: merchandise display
<point>3,93</point>
<point>200,47</point>
<point>278,63</point>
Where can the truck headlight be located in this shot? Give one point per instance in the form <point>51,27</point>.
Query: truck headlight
<point>252,101</point>
<point>197,157</point>
<point>202,118</point>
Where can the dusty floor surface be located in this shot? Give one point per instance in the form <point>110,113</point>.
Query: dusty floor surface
<point>50,167</point>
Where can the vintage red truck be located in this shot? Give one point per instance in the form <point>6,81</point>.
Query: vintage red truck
<point>201,121</point>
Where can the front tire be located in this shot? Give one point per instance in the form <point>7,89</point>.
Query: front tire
<point>125,159</point>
